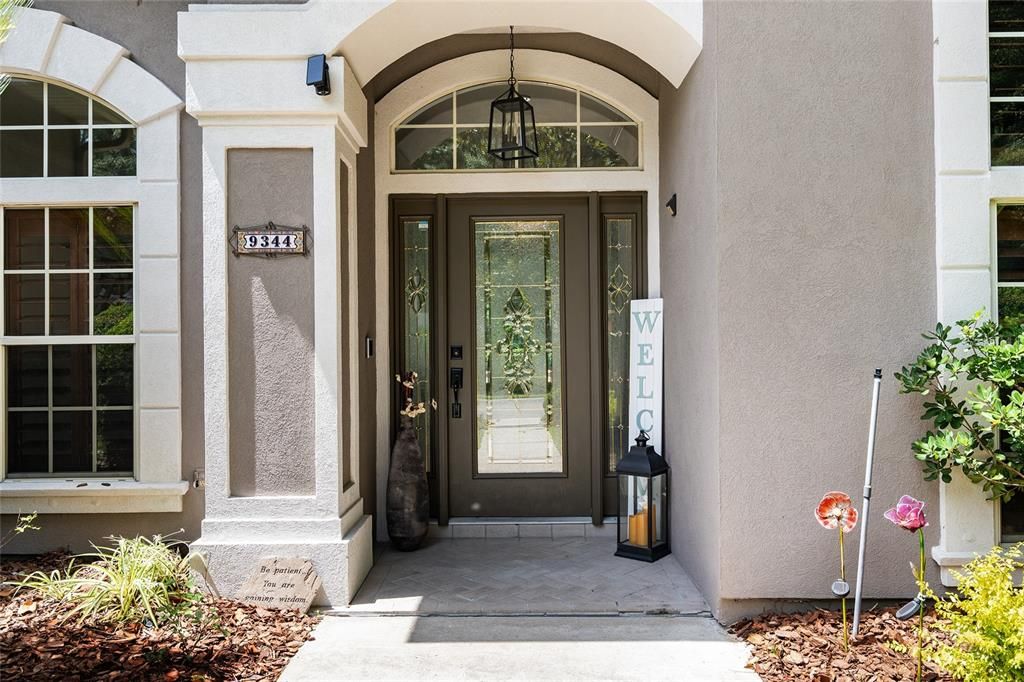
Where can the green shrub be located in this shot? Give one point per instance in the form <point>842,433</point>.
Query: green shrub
<point>138,579</point>
<point>974,389</point>
<point>984,620</point>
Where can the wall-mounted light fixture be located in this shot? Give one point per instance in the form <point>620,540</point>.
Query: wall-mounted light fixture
<point>671,204</point>
<point>317,74</point>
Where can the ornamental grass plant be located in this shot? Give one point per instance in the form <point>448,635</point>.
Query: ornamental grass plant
<point>137,579</point>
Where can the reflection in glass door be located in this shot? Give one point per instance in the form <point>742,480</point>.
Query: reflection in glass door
<point>518,346</point>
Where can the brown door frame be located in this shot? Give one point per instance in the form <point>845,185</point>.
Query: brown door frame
<point>435,207</point>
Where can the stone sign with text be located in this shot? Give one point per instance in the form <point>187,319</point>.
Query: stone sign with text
<point>281,583</point>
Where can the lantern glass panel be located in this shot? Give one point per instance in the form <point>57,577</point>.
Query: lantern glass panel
<point>659,497</point>
<point>513,131</point>
<point>624,510</point>
<point>634,508</point>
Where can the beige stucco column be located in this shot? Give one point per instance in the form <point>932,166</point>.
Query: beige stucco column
<point>282,476</point>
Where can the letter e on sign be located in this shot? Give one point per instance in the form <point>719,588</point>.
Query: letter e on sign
<point>645,369</point>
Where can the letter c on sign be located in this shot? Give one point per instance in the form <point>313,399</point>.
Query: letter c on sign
<point>640,420</point>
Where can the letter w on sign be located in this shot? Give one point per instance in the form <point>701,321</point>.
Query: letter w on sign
<point>645,369</point>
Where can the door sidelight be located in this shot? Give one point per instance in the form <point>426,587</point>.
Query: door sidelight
<point>455,383</point>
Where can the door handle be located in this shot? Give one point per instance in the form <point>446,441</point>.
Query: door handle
<point>455,383</point>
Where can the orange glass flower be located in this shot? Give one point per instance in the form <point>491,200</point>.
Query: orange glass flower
<point>835,510</point>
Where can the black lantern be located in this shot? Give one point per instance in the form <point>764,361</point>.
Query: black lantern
<point>512,133</point>
<point>643,503</point>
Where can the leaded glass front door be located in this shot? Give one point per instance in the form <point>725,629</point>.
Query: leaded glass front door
<point>518,292</point>
<point>518,348</point>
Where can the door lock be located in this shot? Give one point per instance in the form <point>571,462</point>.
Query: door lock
<point>455,383</point>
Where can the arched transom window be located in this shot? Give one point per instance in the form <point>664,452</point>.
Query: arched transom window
<point>574,130</point>
<point>49,131</point>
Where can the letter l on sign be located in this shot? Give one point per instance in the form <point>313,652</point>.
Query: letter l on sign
<point>645,370</point>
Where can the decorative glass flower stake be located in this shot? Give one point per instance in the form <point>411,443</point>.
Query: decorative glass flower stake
<point>909,514</point>
<point>836,510</point>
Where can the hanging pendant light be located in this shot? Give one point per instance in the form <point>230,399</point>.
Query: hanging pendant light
<point>512,133</point>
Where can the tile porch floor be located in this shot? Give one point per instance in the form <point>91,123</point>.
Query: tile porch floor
<point>523,576</point>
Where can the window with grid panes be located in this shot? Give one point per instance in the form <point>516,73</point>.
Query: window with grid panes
<point>1010,312</point>
<point>1006,81</point>
<point>50,131</point>
<point>68,340</point>
<point>574,130</point>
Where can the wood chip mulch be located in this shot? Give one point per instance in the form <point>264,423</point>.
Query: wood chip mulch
<point>809,646</point>
<point>37,643</point>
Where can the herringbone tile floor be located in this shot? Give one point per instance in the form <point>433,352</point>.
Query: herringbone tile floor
<point>524,576</point>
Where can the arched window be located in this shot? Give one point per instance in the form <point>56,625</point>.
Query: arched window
<point>90,335</point>
<point>574,130</point>
<point>50,131</point>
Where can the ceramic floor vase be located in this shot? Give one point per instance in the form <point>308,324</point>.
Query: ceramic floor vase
<point>408,508</point>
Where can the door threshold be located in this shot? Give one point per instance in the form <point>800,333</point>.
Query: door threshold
<point>522,520</point>
<point>531,527</point>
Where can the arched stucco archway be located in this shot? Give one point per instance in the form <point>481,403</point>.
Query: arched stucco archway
<point>665,35</point>
<point>372,35</point>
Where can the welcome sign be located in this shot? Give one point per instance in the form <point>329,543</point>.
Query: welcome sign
<point>645,370</point>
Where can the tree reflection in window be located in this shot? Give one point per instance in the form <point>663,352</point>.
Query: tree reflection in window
<point>47,130</point>
<point>574,130</point>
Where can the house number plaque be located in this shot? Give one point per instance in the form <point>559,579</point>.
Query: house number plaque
<point>269,240</point>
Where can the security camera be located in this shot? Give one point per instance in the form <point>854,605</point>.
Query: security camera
<point>317,74</point>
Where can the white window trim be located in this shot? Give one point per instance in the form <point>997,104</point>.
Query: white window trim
<point>531,65</point>
<point>967,190</point>
<point>457,125</point>
<point>45,46</point>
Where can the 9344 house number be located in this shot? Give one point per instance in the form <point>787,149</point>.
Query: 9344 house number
<point>269,240</point>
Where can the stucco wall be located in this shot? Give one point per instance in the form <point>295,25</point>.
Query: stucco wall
<point>270,313</point>
<point>690,288</point>
<point>825,257</point>
<point>147,30</point>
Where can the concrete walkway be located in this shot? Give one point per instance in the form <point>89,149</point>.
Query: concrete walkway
<point>558,608</point>
<point>520,648</point>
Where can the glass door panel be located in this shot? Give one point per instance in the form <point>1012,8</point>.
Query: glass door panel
<point>416,348</point>
<point>518,345</point>
<point>620,289</point>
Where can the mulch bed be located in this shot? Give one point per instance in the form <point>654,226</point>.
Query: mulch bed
<point>38,643</point>
<point>809,646</point>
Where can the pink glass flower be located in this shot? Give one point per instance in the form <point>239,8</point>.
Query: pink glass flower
<point>836,509</point>
<point>908,513</point>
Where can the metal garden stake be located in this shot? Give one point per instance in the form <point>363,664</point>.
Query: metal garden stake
<point>867,500</point>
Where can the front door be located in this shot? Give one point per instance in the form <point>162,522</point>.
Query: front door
<point>513,311</point>
<point>519,336</point>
